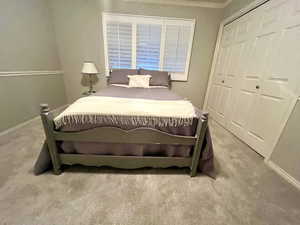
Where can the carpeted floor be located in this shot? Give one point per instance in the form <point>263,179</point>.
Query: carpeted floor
<point>245,192</point>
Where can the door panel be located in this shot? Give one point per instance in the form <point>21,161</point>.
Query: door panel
<point>261,54</point>
<point>247,80</point>
<point>286,60</point>
<point>229,34</point>
<point>213,99</point>
<point>222,108</point>
<point>273,98</point>
<point>242,29</point>
<point>220,95</point>
<point>294,12</point>
<point>273,14</point>
<point>263,122</point>
<point>240,113</point>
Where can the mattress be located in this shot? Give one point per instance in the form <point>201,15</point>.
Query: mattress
<point>128,108</point>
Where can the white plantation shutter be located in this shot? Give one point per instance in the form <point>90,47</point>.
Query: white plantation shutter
<point>176,48</point>
<point>153,43</point>
<point>119,45</point>
<point>148,46</point>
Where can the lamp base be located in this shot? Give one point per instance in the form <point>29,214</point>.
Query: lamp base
<point>88,93</point>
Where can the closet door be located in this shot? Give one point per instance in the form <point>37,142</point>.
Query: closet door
<point>265,78</point>
<point>247,78</point>
<point>221,89</point>
<point>267,88</point>
<point>277,86</point>
<point>219,76</point>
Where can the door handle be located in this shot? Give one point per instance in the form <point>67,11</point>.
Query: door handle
<point>257,87</point>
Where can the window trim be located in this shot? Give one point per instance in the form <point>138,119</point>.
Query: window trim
<point>149,20</point>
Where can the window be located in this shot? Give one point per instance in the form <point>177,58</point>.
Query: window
<point>148,46</point>
<point>119,36</point>
<point>176,48</point>
<point>152,43</point>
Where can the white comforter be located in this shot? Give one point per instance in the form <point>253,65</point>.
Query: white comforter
<point>97,109</point>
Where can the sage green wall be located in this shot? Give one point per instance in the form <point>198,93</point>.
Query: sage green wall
<point>27,43</point>
<point>20,97</point>
<point>287,152</point>
<point>27,40</point>
<point>235,6</point>
<point>78,29</point>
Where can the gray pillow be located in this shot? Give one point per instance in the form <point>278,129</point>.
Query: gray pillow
<point>159,78</point>
<point>119,76</point>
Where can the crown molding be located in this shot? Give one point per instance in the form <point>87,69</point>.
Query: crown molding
<point>202,4</point>
<point>30,73</point>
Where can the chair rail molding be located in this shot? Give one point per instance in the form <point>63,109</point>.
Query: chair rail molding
<point>30,73</point>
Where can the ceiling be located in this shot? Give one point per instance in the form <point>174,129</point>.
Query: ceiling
<point>192,3</point>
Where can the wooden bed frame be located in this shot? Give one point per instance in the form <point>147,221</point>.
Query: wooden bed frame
<point>116,135</point>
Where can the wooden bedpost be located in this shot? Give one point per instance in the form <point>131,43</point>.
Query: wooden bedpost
<point>201,132</point>
<point>47,119</point>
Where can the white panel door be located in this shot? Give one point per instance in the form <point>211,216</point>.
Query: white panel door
<point>215,90</point>
<point>247,78</point>
<point>220,94</point>
<point>229,75</point>
<point>274,88</point>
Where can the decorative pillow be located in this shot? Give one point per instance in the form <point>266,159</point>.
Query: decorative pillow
<point>139,81</point>
<point>119,76</point>
<point>159,78</point>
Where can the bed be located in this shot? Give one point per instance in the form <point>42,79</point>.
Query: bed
<point>130,128</point>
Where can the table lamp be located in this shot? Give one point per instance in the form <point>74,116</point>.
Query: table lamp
<point>89,69</point>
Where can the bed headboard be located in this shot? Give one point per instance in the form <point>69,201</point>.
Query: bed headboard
<point>108,79</point>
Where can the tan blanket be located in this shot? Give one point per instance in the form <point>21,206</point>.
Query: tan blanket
<point>127,111</point>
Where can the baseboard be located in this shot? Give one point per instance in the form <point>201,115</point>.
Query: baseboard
<point>283,174</point>
<point>25,123</point>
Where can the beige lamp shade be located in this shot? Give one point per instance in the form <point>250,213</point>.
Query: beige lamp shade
<point>89,68</point>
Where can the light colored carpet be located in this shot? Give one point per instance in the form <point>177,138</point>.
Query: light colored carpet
<point>245,192</point>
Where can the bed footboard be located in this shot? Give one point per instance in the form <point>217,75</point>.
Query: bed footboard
<point>48,124</point>
<point>200,135</point>
<point>116,135</point>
